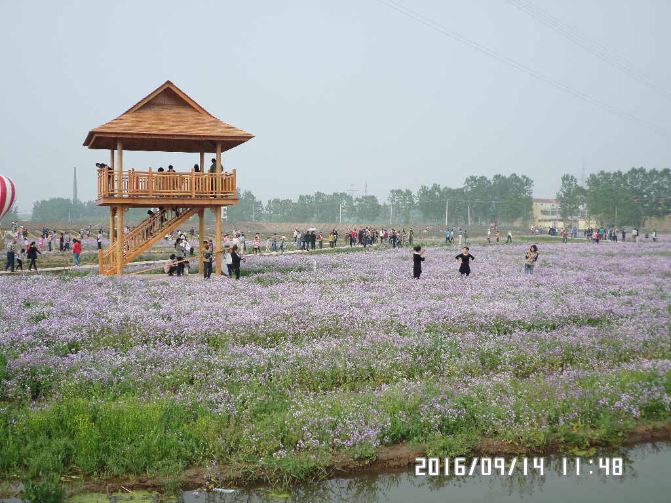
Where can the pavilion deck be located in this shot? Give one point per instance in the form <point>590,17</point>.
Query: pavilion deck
<point>150,188</point>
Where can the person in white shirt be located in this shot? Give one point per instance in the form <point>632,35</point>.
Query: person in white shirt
<point>228,259</point>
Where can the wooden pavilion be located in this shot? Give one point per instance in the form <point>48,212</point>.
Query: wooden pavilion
<point>166,120</point>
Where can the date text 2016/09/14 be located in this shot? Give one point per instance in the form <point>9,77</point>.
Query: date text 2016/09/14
<point>461,466</point>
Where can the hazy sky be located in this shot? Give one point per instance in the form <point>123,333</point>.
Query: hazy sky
<point>338,93</point>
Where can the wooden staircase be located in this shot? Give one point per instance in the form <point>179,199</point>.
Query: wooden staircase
<point>142,237</point>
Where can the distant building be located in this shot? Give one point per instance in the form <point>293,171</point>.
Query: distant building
<point>546,213</point>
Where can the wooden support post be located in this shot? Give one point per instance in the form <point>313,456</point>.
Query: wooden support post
<point>100,262</point>
<point>193,183</point>
<point>202,163</point>
<point>112,158</point>
<point>119,168</point>
<point>119,240</point>
<point>112,212</point>
<point>201,238</point>
<point>217,170</point>
<point>217,240</point>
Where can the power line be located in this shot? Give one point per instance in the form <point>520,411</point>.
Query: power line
<point>520,66</point>
<point>596,48</point>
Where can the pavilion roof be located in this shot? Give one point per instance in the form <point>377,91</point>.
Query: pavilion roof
<point>166,120</point>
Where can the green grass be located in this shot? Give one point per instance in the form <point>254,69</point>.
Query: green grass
<point>112,437</point>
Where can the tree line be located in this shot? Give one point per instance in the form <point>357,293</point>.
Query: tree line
<point>481,200</point>
<point>611,198</point>
<point>617,198</point>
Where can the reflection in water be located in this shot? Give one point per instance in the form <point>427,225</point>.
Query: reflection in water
<point>645,477</point>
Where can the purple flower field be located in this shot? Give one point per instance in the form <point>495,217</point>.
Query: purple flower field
<point>312,355</point>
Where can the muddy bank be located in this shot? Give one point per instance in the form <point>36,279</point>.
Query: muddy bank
<point>389,459</point>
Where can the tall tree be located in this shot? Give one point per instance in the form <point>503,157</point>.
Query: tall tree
<point>431,202</point>
<point>367,209</point>
<point>571,197</point>
<point>402,203</point>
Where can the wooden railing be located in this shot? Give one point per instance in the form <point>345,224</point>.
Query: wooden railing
<point>140,237</point>
<point>192,185</point>
<point>148,228</point>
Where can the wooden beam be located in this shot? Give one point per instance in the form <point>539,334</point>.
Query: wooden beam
<point>202,163</point>
<point>218,169</point>
<point>201,238</point>
<point>217,240</point>
<point>180,202</point>
<point>112,158</point>
<point>119,240</point>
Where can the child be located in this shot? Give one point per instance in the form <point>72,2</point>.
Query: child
<point>417,259</point>
<point>171,267</point>
<point>256,247</point>
<point>465,257</point>
<point>20,258</point>
<point>530,259</point>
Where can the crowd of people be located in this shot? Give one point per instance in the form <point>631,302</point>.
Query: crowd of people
<point>19,246</point>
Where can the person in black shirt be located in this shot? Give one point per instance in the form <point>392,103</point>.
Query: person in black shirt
<point>417,259</point>
<point>32,254</point>
<point>465,257</point>
<point>236,258</point>
<point>208,258</point>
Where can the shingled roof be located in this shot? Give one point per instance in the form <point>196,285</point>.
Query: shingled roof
<point>166,120</point>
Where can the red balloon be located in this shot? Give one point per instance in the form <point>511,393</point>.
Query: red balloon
<point>7,195</point>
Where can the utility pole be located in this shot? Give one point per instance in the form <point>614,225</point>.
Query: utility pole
<point>468,209</point>
<point>391,212</point>
<point>447,207</point>
<point>74,186</point>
